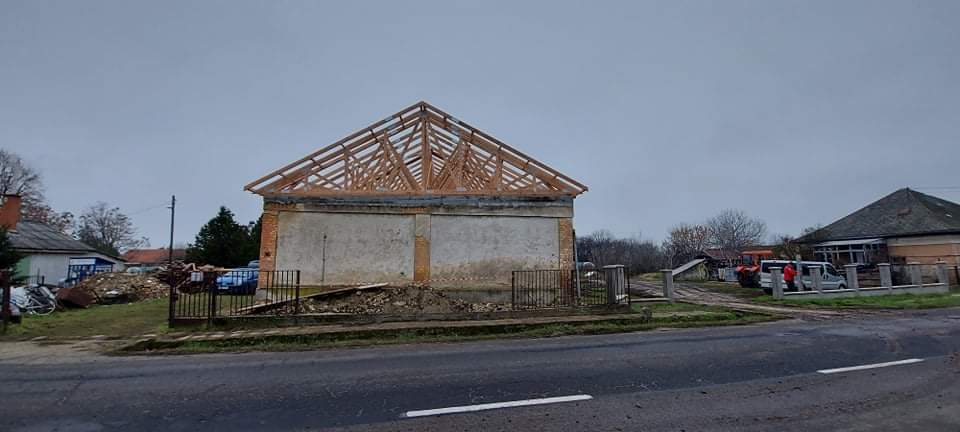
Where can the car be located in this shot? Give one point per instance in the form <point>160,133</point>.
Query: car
<point>239,281</point>
<point>830,279</point>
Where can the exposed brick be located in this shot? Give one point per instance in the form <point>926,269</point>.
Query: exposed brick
<point>567,260</point>
<point>268,240</point>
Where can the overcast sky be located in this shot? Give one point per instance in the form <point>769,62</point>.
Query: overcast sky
<point>797,112</point>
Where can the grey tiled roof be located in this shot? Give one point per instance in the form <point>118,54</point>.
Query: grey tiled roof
<point>905,212</point>
<point>38,237</point>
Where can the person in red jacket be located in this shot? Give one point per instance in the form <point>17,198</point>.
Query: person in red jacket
<point>789,274</point>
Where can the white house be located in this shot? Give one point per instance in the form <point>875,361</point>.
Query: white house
<point>50,255</point>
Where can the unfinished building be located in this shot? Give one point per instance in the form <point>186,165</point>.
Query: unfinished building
<point>417,197</point>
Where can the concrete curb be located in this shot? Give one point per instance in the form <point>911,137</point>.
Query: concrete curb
<point>504,326</point>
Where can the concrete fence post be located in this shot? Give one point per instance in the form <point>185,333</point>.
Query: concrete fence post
<point>853,279</point>
<point>916,278</point>
<point>798,266</point>
<point>886,280</point>
<point>942,275</point>
<point>776,282</point>
<point>667,283</point>
<point>616,283</point>
<point>816,278</point>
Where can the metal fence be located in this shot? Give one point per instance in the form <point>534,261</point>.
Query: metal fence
<point>555,289</point>
<point>206,296</point>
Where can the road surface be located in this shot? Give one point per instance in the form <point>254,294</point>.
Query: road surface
<point>777,376</point>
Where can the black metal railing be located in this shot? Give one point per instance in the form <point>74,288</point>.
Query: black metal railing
<point>209,295</point>
<point>555,288</point>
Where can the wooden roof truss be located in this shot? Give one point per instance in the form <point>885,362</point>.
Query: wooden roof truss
<point>418,151</point>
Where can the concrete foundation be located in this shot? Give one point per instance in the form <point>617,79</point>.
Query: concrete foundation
<point>454,242</point>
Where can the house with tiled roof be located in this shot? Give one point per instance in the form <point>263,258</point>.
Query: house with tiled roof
<point>904,226</point>
<point>50,255</point>
<point>152,258</point>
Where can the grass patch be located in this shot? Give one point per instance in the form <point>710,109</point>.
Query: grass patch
<point>899,301</point>
<point>649,277</point>
<point>439,334</point>
<point>119,320</point>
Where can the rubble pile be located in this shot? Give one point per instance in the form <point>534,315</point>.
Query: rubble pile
<point>393,301</point>
<point>178,273</point>
<point>123,287</point>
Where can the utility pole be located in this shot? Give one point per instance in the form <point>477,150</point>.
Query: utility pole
<point>170,278</point>
<point>173,209</point>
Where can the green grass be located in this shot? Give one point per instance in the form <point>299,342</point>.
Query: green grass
<point>120,320</point>
<point>901,301</point>
<point>440,334</point>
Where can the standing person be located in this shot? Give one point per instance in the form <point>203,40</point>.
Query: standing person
<point>789,274</point>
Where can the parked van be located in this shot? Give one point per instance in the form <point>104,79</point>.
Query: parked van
<point>830,277</point>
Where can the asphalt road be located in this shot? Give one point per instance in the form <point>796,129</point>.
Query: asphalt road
<point>761,377</point>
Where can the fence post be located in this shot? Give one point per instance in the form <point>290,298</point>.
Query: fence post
<point>776,282</point>
<point>853,279</point>
<point>668,284</point>
<point>211,298</point>
<point>886,280</point>
<point>942,276</point>
<point>614,276</point>
<point>816,278</point>
<point>513,290</point>
<point>173,298</point>
<point>5,310</point>
<point>916,278</point>
<point>798,265</point>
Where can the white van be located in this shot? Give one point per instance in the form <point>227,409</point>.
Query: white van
<point>831,278</point>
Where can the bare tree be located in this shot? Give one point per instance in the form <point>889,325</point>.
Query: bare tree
<point>41,212</point>
<point>603,248</point>
<point>734,230</point>
<point>108,230</point>
<point>16,177</point>
<point>684,242</point>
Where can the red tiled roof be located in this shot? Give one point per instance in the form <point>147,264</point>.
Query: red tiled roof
<point>152,256</point>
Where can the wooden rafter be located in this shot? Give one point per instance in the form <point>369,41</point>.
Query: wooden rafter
<point>420,150</point>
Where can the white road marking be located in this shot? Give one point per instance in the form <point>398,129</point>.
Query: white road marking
<point>870,366</point>
<point>497,405</point>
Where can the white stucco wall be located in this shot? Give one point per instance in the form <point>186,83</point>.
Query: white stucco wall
<point>359,247</point>
<point>53,267</point>
<point>482,251</point>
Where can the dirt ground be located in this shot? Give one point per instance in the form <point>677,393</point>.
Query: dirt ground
<point>396,301</point>
<point>692,293</point>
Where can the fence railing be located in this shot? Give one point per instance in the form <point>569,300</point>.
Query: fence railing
<point>885,279</point>
<point>210,295</point>
<point>557,288</point>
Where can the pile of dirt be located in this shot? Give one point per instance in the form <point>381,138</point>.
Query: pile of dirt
<point>123,287</point>
<point>395,301</point>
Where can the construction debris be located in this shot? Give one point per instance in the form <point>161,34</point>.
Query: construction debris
<point>178,274</point>
<point>123,287</point>
<point>73,297</point>
<point>274,304</point>
<point>389,301</point>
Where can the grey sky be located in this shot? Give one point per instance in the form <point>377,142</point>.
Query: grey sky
<point>797,112</point>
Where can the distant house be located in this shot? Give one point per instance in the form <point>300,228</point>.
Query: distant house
<point>50,255</point>
<point>151,258</point>
<point>905,226</point>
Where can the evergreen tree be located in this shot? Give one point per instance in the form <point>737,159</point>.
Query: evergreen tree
<point>253,241</point>
<point>8,256</point>
<point>221,242</point>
